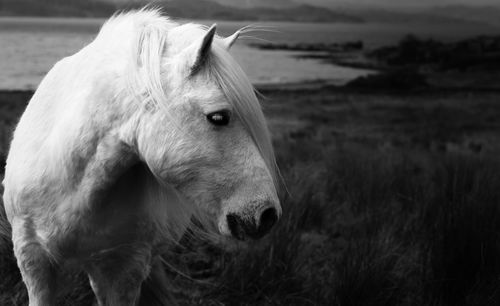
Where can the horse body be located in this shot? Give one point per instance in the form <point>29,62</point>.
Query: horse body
<point>63,159</point>
<point>114,154</point>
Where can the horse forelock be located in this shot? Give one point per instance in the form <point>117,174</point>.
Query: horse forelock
<point>239,91</point>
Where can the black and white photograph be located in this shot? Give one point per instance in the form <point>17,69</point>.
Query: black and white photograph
<point>250,152</point>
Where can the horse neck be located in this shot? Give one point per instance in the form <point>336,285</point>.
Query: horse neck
<point>95,153</point>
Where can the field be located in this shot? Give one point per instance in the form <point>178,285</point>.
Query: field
<point>390,198</point>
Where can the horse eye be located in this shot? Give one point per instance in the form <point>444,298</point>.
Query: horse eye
<point>219,118</point>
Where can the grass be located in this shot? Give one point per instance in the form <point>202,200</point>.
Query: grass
<point>393,200</point>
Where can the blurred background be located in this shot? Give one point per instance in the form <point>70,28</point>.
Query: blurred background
<point>292,41</point>
<point>385,117</point>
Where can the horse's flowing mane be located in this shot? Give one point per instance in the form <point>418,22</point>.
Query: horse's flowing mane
<point>147,53</point>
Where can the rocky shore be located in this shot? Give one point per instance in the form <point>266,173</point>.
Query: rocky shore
<point>472,63</point>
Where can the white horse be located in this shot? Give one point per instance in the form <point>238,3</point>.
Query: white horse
<point>122,143</point>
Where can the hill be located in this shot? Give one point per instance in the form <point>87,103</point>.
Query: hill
<point>425,11</point>
<point>198,9</point>
<point>259,3</point>
<point>76,8</point>
<point>484,14</point>
<point>205,9</point>
<point>381,15</point>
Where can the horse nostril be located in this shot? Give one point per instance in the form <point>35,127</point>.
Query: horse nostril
<point>267,219</point>
<point>235,224</point>
<point>242,228</point>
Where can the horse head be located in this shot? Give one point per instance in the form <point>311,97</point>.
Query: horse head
<point>205,133</point>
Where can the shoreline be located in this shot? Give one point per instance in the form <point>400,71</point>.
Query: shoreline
<point>321,85</point>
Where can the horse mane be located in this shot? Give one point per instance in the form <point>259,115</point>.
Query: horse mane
<point>145,32</point>
<point>149,32</point>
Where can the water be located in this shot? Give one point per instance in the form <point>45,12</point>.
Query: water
<point>30,46</point>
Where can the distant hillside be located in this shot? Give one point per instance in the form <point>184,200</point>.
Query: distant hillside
<point>484,14</point>
<point>90,8</point>
<point>258,3</point>
<point>197,9</point>
<point>423,16</point>
<point>422,11</point>
<point>213,10</point>
<point>396,5</point>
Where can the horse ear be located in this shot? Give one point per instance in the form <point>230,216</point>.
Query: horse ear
<point>230,40</point>
<point>201,50</point>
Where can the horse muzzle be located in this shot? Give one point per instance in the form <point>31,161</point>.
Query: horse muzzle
<point>254,224</point>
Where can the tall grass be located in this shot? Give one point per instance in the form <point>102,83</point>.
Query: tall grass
<point>372,227</point>
<point>362,225</point>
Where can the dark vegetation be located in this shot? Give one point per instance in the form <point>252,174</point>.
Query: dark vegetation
<point>12,104</point>
<point>479,52</point>
<point>472,63</point>
<point>193,9</point>
<point>316,47</point>
<point>393,200</point>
